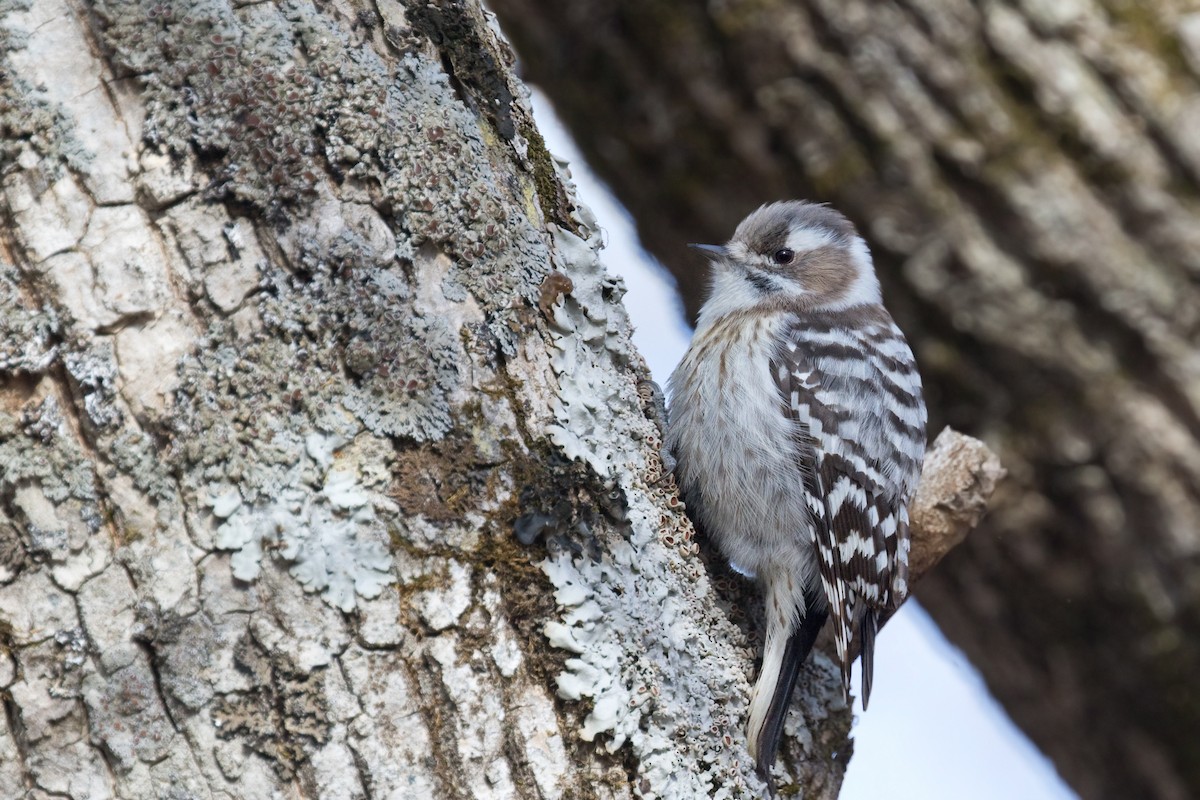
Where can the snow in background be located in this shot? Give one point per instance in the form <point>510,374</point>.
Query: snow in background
<point>933,731</point>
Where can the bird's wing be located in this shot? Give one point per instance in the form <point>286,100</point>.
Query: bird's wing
<point>854,394</point>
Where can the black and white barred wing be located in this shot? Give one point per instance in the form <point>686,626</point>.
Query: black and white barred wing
<point>855,396</point>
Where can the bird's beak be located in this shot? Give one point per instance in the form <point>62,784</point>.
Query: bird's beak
<point>711,250</point>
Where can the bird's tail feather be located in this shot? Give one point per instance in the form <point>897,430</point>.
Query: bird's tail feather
<point>867,629</point>
<point>772,693</point>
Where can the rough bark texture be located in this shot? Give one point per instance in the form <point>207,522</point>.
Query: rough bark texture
<point>1027,176</point>
<point>326,468</point>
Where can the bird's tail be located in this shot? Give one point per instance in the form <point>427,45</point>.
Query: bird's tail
<point>785,651</point>
<point>868,627</point>
<point>862,623</point>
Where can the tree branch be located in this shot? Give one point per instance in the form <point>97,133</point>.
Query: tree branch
<point>957,481</point>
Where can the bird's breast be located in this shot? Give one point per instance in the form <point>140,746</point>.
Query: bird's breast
<point>733,443</point>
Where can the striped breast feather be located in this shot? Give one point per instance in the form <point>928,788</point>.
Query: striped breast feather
<point>852,390</point>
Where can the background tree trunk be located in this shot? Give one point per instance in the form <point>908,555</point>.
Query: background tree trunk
<point>1027,176</point>
<point>326,468</point>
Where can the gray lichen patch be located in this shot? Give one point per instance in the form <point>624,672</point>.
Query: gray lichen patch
<point>310,104</point>
<point>289,467</point>
<point>53,512</point>
<point>406,368</point>
<point>27,331</point>
<point>136,498</point>
<point>43,446</point>
<point>47,483</point>
<point>332,539</point>
<point>32,131</point>
<point>92,371</point>
<point>135,453</point>
<point>12,553</point>
<point>439,162</point>
<point>210,58</point>
<point>397,367</point>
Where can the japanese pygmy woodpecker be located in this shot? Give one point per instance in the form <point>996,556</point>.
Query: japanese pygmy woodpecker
<point>798,427</point>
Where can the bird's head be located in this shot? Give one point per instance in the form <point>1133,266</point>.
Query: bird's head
<point>791,254</point>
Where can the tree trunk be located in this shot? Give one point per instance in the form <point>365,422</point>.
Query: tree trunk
<point>1028,177</point>
<point>327,468</point>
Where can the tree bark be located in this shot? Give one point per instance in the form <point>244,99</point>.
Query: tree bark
<point>327,467</point>
<point>1027,176</point>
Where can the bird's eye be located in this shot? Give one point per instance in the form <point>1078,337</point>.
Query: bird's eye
<point>783,256</point>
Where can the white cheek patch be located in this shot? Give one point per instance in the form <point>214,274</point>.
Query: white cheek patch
<point>861,256</point>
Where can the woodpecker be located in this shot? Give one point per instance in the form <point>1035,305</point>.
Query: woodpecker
<point>798,427</point>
